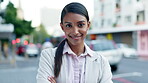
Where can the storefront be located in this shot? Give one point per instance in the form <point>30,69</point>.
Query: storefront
<point>6,36</point>
<point>136,36</point>
<point>143,43</point>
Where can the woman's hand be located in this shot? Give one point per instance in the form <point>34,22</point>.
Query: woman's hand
<point>51,79</point>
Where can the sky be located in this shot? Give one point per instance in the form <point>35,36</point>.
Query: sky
<point>31,8</point>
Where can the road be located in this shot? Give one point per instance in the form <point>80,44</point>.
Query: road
<point>130,71</point>
<point>133,70</point>
<point>24,72</point>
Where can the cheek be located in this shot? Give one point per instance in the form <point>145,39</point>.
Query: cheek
<point>67,33</point>
<point>84,30</point>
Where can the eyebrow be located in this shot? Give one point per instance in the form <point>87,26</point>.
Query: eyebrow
<point>77,22</point>
<point>81,21</point>
<point>68,22</point>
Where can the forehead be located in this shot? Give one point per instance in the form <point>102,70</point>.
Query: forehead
<point>73,17</point>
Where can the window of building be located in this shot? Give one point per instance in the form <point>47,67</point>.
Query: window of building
<point>109,22</point>
<point>140,16</point>
<point>118,1</point>
<point>138,0</point>
<point>102,22</point>
<point>128,19</point>
<point>118,20</point>
<point>117,5</point>
<point>102,8</point>
<point>129,1</point>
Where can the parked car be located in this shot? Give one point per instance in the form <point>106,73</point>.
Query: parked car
<point>20,50</point>
<point>127,51</point>
<point>32,50</point>
<point>108,49</point>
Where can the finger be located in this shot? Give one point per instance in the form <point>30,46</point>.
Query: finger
<point>49,79</point>
<point>53,80</point>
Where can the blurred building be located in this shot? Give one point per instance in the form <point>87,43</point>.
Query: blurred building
<point>125,21</point>
<point>50,19</point>
<point>5,34</point>
<point>20,11</point>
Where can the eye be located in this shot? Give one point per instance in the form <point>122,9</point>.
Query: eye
<point>68,26</point>
<point>81,25</point>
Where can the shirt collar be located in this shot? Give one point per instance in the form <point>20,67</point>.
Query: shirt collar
<point>68,50</point>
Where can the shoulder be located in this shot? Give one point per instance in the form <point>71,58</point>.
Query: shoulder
<point>48,53</point>
<point>46,65</point>
<point>100,58</point>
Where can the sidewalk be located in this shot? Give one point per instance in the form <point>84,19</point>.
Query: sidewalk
<point>10,62</point>
<point>24,71</point>
<point>143,57</point>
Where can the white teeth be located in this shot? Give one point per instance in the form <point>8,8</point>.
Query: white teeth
<point>75,37</point>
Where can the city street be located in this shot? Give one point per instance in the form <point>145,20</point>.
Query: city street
<point>24,71</point>
<point>116,29</point>
<point>133,70</point>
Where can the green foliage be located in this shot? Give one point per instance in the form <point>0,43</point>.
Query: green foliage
<point>43,31</point>
<point>10,14</point>
<point>1,1</point>
<point>21,27</point>
<point>40,34</point>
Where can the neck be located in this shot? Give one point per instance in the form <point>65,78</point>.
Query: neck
<point>77,49</point>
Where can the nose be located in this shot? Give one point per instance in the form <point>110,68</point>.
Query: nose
<point>75,30</point>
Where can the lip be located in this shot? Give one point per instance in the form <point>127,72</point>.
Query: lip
<point>76,37</point>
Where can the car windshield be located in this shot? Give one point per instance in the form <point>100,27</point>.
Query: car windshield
<point>31,47</point>
<point>101,46</point>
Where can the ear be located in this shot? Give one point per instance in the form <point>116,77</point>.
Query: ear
<point>89,23</point>
<point>62,26</point>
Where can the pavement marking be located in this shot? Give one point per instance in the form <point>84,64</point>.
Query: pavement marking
<point>127,75</point>
<point>123,80</point>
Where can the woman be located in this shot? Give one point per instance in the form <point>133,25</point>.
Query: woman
<point>73,61</point>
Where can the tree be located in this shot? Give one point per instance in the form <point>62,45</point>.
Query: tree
<point>21,27</point>
<point>1,1</point>
<point>40,34</point>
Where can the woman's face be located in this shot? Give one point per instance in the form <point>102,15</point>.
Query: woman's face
<point>75,27</point>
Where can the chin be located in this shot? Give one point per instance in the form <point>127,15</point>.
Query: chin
<point>76,42</point>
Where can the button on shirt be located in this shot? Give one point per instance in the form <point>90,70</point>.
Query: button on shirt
<point>76,64</point>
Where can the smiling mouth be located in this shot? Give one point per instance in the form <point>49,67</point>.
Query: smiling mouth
<point>75,37</point>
